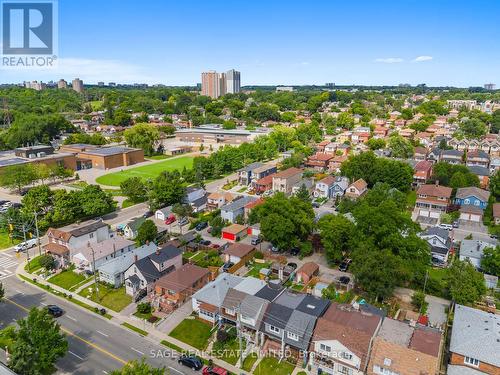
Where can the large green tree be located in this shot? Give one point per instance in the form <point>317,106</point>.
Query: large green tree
<point>336,234</point>
<point>490,263</point>
<point>138,368</point>
<point>147,232</point>
<point>18,176</point>
<point>39,343</point>
<point>143,136</point>
<point>167,189</point>
<point>134,189</point>
<point>466,285</point>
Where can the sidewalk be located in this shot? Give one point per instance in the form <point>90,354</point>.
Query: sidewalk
<point>154,335</point>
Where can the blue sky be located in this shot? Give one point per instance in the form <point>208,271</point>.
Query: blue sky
<point>439,42</point>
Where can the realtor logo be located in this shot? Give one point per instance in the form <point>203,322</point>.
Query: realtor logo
<point>29,33</point>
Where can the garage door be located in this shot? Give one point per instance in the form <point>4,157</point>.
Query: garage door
<point>475,218</point>
<point>424,213</point>
<point>435,214</point>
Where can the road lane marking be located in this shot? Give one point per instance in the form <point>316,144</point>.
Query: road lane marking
<point>76,355</point>
<point>70,317</point>
<point>18,291</point>
<point>105,371</point>
<point>138,351</point>
<point>43,304</point>
<point>102,333</point>
<point>97,347</point>
<point>174,369</point>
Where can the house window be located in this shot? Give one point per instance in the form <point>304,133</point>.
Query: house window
<point>466,201</point>
<point>274,329</point>
<point>346,355</point>
<point>292,336</point>
<point>91,235</point>
<point>230,312</point>
<point>345,370</point>
<point>476,203</point>
<point>325,348</point>
<point>383,371</point>
<point>387,361</point>
<point>471,361</point>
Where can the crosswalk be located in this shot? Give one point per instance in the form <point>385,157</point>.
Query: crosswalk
<point>6,262</point>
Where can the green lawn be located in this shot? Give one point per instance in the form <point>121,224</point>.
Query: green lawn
<point>193,332</point>
<point>270,365</point>
<point>411,199</point>
<point>5,241</point>
<point>113,299</point>
<point>146,171</point>
<point>159,157</point>
<point>67,279</point>
<point>34,265</point>
<point>249,361</point>
<point>254,271</point>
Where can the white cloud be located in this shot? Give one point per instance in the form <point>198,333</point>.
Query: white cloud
<point>390,60</point>
<point>422,58</point>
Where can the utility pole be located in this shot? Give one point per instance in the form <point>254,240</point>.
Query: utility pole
<point>27,249</point>
<point>37,234</point>
<point>95,273</point>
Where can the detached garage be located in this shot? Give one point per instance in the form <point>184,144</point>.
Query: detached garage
<point>234,232</point>
<point>471,213</point>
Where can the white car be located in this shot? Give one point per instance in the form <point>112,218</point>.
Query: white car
<point>26,245</point>
<point>446,226</point>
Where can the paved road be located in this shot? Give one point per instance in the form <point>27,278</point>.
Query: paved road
<point>96,345</point>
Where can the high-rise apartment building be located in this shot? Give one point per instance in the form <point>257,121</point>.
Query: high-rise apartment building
<point>62,84</point>
<point>233,83</point>
<point>489,86</point>
<point>77,85</point>
<point>213,84</point>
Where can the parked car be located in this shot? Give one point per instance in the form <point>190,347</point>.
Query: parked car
<point>215,246</point>
<point>214,370</point>
<point>256,240</point>
<point>446,226</point>
<point>191,361</point>
<point>227,266</point>
<point>292,265</point>
<point>170,219</point>
<point>183,221</point>
<point>275,249</point>
<point>455,224</point>
<point>23,246</point>
<point>344,265</point>
<point>205,242</point>
<point>294,251</point>
<point>315,204</point>
<point>201,225</point>
<point>55,311</point>
<point>147,214</point>
<point>344,280</point>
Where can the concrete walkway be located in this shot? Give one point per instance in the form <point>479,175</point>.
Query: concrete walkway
<point>154,335</point>
<point>173,320</point>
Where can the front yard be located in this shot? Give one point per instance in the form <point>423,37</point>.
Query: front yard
<point>113,299</point>
<point>193,332</point>
<point>67,279</point>
<point>5,240</point>
<point>270,365</point>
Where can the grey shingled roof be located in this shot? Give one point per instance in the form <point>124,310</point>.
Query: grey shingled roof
<point>255,308</point>
<point>473,249</point>
<point>238,204</point>
<point>250,167</point>
<point>476,334</point>
<point>462,370</point>
<point>301,324</point>
<point>277,315</point>
<point>478,170</point>
<point>214,292</point>
<point>313,306</point>
<point>290,299</point>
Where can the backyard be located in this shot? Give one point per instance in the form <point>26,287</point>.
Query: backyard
<point>151,170</point>
<point>193,332</point>
<point>255,269</point>
<point>113,299</point>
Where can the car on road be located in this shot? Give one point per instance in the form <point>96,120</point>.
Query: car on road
<point>55,311</point>
<point>494,236</point>
<point>201,225</point>
<point>23,246</point>
<point>344,265</point>
<point>214,370</point>
<point>215,246</point>
<point>191,361</point>
<point>256,240</point>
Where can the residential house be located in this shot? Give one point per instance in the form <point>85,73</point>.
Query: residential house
<point>306,272</point>
<point>422,172</point>
<point>307,182</point>
<point>174,289</point>
<point>62,241</point>
<point>207,301</point>
<point>263,184</point>
<point>252,310</point>
<point>319,161</point>
<point>439,241</point>
<point>451,156</point>
<point>482,173</point>
<point>474,344</point>
<point>196,197</point>
<point>472,250</point>
<point>420,153</point>
<point>494,165</point>
<point>472,214</point>
<point>238,252</point>
<point>113,271</point>
<point>496,213</point>
<point>424,138</point>
<point>335,163</point>
<point>217,200</point>
<point>131,229</point>
<point>356,189</point>
<point>163,213</point>
<point>479,158</point>
<point>284,181</point>
<point>331,186</point>
<point>432,200</point>
<point>231,211</point>
<point>91,256</point>
<point>434,155</point>
<point>234,232</point>
<point>320,147</point>
<point>231,305</point>
<point>473,196</point>
<point>245,173</point>
<point>261,172</point>
<point>141,276</point>
<point>250,206</point>
<point>342,340</point>
<point>402,348</point>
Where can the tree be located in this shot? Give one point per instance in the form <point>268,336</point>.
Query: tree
<point>336,233</point>
<point>400,147</point>
<point>38,345</point>
<point>167,189</point>
<point>182,210</point>
<point>18,176</point>
<point>217,223</point>
<point>466,285</point>
<point>47,261</point>
<point>495,122</point>
<point>134,189</point>
<point>138,368</point>
<point>418,300</point>
<point>490,263</point>
<point>472,128</point>
<point>147,232</point>
<point>376,143</point>
<point>303,193</point>
<point>2,292</point>
<point>142,136</point>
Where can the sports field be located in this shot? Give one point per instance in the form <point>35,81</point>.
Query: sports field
<point>146,171</point>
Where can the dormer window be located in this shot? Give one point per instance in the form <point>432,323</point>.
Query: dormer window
<point>292,336</point>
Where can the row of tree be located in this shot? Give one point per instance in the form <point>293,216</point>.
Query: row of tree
<point>21,176</point>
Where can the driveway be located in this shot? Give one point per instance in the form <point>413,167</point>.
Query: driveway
<point>171,321</point>
<point>436,310</point>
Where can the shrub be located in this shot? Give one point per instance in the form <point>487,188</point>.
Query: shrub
<point>222,336</point>
<point>144,308</point>
<point>47,262</point>
<point>258,255</point>
<point>153,319</point>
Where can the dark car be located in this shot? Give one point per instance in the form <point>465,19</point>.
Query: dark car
<point>200,226</point>
<point>295,251</point>
<point>344,265</point>
<point>344,280</point>
<point>227,266</point>
<point>205,242</point>
<point>191,361</point>
<point>147,214</point>
<point>292,265</point>
<point>55,311</point>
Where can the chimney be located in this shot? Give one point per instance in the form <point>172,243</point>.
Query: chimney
<point>136,258</point>
<point>158,251</point>
<point>147,242</point>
